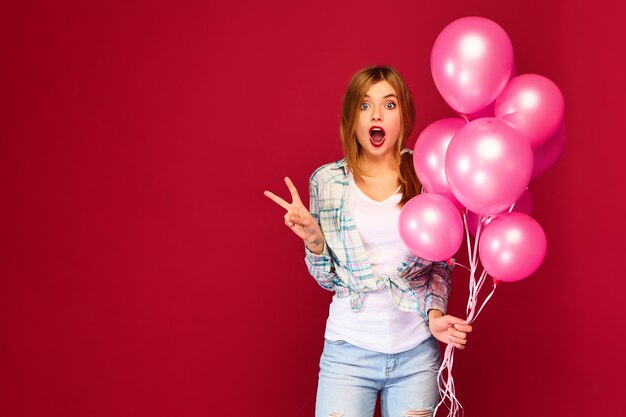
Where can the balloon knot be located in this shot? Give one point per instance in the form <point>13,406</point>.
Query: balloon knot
<point>449,262</point>
<point>495,282</point>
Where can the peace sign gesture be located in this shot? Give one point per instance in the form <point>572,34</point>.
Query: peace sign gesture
<point>298,218</point>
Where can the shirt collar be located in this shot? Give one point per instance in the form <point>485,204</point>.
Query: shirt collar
<point>341,164</point>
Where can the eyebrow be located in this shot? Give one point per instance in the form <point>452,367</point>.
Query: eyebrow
<point>387,96</point>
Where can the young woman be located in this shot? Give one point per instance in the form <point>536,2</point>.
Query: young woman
<point>389,307</point>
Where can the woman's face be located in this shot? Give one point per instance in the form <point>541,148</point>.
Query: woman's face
<point>378,127</point>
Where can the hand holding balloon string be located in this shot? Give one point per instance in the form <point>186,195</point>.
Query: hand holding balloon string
<point>449,329</point>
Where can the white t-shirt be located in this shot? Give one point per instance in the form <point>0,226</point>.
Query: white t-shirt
<point>379,325</point>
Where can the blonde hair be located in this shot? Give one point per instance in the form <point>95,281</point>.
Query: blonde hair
<point>359,84</point>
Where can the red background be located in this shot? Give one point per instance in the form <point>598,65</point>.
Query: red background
<point>143,272</point>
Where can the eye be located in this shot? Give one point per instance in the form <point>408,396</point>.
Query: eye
<point>390,105</point>
<point>364,106</point>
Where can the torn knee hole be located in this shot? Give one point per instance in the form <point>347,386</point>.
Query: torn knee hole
<point>418,413</point>
<point>336,414</point>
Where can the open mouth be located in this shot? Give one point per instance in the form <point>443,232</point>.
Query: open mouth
<point>377,136</point>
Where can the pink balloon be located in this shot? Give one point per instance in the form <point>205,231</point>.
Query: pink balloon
<point>471,62</point>
<point>490,110</point>
<point>429,156</point>
<point>547,154</point>
<point>534,105</point>
<point>524,204</point>
<point>431,227</point>
<point>488,165</point>
<point>512,247</point>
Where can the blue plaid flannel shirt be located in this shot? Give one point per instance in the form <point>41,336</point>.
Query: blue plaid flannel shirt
<point>417,285</point>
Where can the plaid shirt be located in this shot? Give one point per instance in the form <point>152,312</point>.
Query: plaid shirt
<point>417,285</point>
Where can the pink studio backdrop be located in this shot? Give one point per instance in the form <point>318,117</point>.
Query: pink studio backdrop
<point>143,272</point>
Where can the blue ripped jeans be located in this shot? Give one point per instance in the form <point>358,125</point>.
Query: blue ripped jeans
<point>350,379</point>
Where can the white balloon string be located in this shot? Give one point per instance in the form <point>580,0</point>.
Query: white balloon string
<point>511,208</point>
<point>471,291</point>
<point>473,299</point>
<point>487,299</point>
<point>467,234</point>
<point>441,382</point>
<point>445,381</point>
<point>446,384</point>
<point>473,256</point>
<point>461,265</point>
<point>472,285</point>
<point>481,280</point>
<point>469,257</point>
<point>481,218</point>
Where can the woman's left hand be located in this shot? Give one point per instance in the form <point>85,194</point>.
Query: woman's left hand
<point>449,329</point>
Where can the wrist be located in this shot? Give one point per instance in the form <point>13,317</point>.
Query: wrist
<point>315,239</point>
<point>434,314</point>
<point>315,244</point>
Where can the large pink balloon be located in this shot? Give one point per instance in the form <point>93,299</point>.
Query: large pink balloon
<point>534,105</point>
<point>431,227</point>
<point>524,204</point>
<point>471,62</point>
<point>490,110</point>
<point>429,156</point>
<point>488,165</point>
<point>547,154</point>
<point>512,247</point>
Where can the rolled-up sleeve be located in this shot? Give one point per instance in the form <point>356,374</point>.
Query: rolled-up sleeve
<point>438,289</point>
<point>320,266</point>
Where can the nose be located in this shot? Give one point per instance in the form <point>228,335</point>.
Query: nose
<point>376,115</point>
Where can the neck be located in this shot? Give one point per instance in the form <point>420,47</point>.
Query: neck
<point>374,166</point>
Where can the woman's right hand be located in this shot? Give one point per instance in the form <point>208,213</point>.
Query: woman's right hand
<point>299,220</point>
